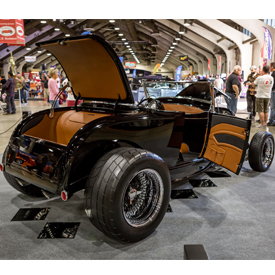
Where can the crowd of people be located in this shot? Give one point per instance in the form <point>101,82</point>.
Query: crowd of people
<point>260,92</point>
<point>50,84</point>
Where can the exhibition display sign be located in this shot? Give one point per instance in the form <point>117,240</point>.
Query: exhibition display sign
<point>12,32</point>
<point>130,65</point>
<point>267,46</point>
<point>184,58</point>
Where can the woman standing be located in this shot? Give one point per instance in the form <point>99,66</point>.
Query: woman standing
<point>53,87</point>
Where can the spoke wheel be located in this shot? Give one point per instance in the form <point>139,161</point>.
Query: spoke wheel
<point>261,151</point>
<point>127,193</point>
<point>268,152</point>
<point>143,198</point>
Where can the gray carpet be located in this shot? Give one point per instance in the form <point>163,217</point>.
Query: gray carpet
<point>233,221</point>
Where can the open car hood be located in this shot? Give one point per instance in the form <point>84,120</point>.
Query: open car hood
<point>92,67</point>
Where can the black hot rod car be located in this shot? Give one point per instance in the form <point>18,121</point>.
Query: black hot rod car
<point>126,156</point>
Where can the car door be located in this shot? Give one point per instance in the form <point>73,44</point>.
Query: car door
<point>226,141</point>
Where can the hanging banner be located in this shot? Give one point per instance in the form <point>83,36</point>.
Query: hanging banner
<point>208,65</point>
<point>130,64</point>
<point>222,68</point>
<point>264,62</point>
<point>134,73</point>
<point>267,46</point>
<point>220,61</point>
<point>12,32</point>
<point>184,58</point>
<point>30,58</point>
<point>156,68</point>
<point>121,59</point>
<point>178,73</point>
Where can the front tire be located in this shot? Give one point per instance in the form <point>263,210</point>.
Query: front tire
<point>261,151</point>
<point>127,193</point>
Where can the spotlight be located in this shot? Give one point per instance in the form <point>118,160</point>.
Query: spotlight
<point>186,22</point>
<point>112,21</point>
<point>181,31</point>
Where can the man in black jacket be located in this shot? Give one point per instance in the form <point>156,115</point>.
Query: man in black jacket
<point>272,99</point>
<point>233,89</point>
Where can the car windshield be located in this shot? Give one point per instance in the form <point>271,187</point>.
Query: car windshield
<point>165,89</point>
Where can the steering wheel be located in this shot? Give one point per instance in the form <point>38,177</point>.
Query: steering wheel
<point>152,103</point>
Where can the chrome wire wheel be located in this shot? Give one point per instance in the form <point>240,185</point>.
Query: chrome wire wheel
<point>143,198</point>
<point>268,152</point>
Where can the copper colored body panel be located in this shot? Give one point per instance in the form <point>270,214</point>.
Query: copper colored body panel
<point>182,108</point>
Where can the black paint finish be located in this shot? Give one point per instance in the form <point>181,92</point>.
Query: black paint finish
<point>183,194</point>
<point>217,174</point>
<point>195,252</point>
<point>59,230</point>
<point>31,214</point>
<point>169,208</point>
<point>202,183</point>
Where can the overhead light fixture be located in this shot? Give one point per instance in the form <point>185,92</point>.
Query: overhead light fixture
<point>49,54</point>
<point>172,47</point>
<point>54,19</point>
<point>181,31</point>
<point>67,34</point>
<point>177,38</point>
<point>56,28</point>
<point>186,22</point>
<point>126,43</point>
<point>174,43</point>
<point>170,50</point>
<point>28,48</point>
<point>120,34</point>
<point>128,46</point>
<point>39,51</point>
<point>140,21</point>
<point>43,21</point>
<point>112,21</point>
<point>116,29</point>
<point>123,39</point>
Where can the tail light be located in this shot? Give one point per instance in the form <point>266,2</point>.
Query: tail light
<point>1,168</point>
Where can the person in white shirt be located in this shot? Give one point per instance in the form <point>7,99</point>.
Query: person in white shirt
<point>264,85</point>
<point>218,83</point>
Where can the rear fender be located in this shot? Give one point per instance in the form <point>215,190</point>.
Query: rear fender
<point>79,165</point>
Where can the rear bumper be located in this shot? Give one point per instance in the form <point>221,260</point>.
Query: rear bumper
<point>36,162</point>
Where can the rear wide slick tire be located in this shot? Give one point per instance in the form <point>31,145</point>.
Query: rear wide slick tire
<point>107,193</point>
<point>261,151</point>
